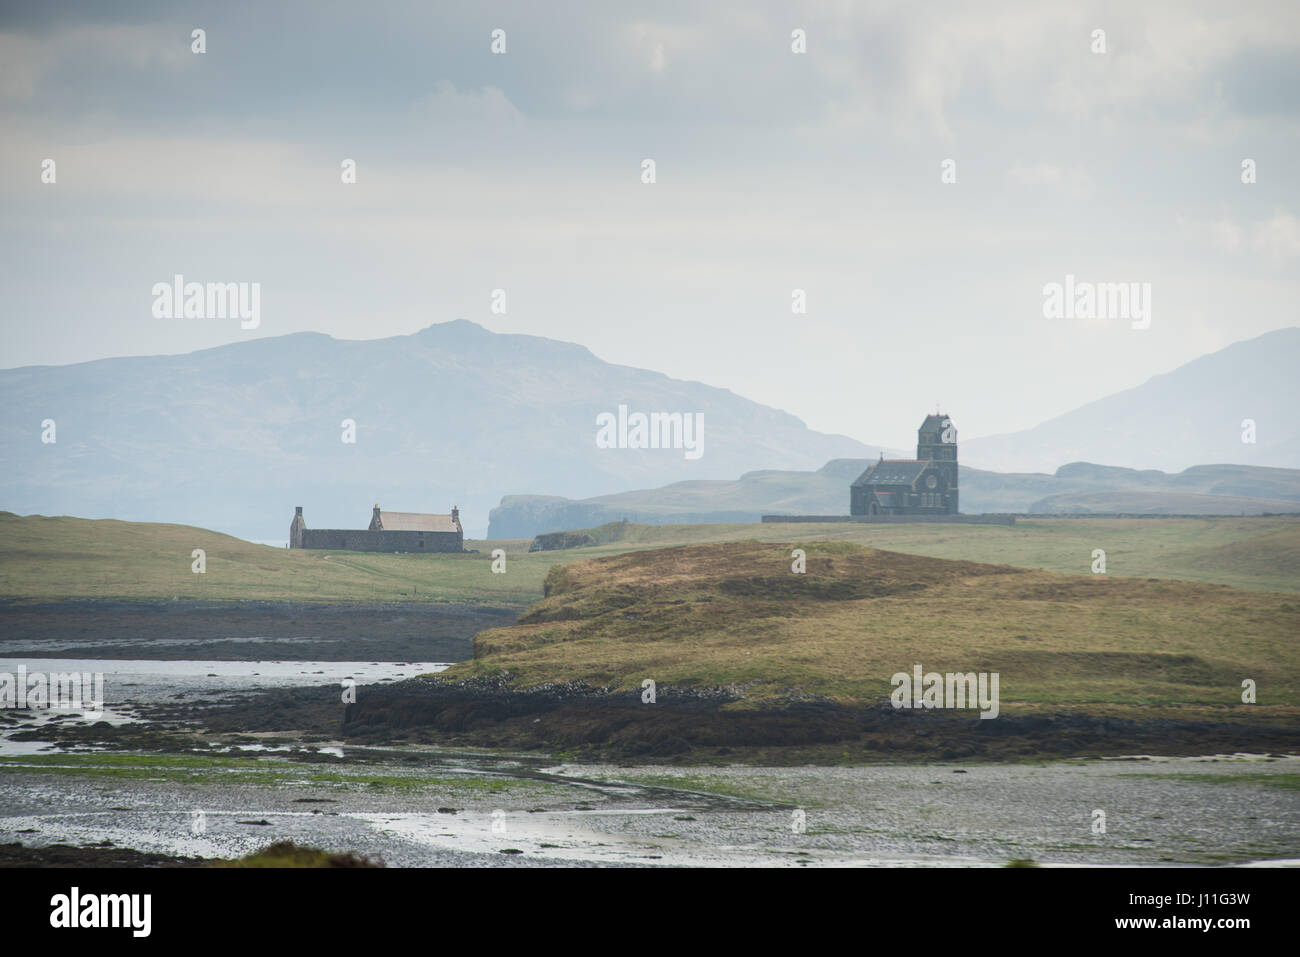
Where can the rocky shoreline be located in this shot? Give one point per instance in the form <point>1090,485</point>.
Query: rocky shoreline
<point>683,726</point>
<point>106,856</point>
<point>693,725</point>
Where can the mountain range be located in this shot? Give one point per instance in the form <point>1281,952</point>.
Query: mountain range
<point>1193,415</point>
<point>232,438</point>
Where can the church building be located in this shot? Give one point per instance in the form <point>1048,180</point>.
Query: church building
<point>925,485</point>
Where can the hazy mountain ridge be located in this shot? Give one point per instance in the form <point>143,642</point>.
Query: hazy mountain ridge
<point>1074,488</point>
<point>232,438</point>
<point>1173,421</point>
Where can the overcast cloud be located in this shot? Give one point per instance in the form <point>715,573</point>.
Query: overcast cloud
<point>775,171</point>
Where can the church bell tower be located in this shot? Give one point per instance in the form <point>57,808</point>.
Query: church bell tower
<point>936,441</point>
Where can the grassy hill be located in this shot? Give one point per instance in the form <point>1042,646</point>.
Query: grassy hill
<point>1131,502</point>
<point>1262,552</point>
<point>47,558</point>
<point>735,616</point>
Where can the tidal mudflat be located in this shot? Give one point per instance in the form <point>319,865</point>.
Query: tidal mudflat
<point>417,806</point>
<point>199,794</point>
<point>133,688</point>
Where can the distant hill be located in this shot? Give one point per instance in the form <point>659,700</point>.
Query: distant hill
<point>233,438</point>
<point>824,491</point>
<point>1078,487</point>
<point>1173,421</point>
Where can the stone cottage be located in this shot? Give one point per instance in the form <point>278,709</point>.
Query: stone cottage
<point>388,532</point>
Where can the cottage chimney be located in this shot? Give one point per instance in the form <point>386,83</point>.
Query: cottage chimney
<point>455,514</point>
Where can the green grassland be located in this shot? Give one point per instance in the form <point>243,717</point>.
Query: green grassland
<point>1261,552</point>
<point>735,615</point>
<point>267,771</point>
<point>52,558</point>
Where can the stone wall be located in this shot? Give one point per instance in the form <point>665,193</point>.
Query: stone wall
<point>364,540</point>
<point>555,541</point>
<point>941,517</point>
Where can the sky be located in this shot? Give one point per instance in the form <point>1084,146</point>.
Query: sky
<point>775,171</point>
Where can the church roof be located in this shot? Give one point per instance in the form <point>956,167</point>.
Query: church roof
<point>933,423</point>
<point>416,522</point>
<point>893,472</point>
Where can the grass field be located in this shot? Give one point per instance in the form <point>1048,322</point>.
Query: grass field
<point>1242,552</point>
<point>49,558</point>
<point>734,614</point>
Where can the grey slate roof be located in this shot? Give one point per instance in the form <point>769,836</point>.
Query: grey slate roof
<point>893,472</point>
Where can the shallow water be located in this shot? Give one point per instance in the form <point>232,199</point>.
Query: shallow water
<point>130,683</point>
<point>522,810</point>
<point>147,680</point>
<point>397,804</point>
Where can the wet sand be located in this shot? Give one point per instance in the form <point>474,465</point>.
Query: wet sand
<point>242,630</point>
<point>421,807</point>
<point>267,751</point>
